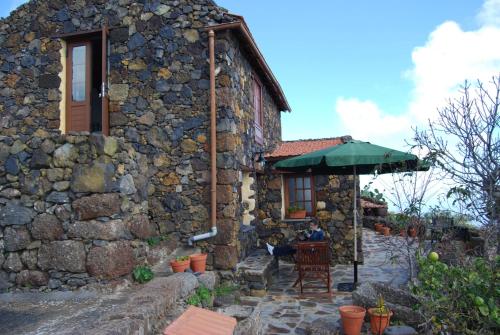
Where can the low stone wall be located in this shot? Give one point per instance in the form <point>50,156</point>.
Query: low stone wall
<point>73,210</point>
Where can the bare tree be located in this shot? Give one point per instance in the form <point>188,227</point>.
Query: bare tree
<point>464,143</point>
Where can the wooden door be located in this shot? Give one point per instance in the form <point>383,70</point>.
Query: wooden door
<point>78,86</point>
<point>104,85</point>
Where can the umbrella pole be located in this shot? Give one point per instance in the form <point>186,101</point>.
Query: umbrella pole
<point>355,231</point>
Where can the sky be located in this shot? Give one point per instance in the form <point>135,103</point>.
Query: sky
<point>370,69</point>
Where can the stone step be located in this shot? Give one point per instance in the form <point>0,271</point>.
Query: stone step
<point>256,271</point>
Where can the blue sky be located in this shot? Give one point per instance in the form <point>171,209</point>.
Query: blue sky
<point>371,69</point>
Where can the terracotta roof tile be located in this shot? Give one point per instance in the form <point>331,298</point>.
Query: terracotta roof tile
<point>300,147</point>
<point>199,321</point>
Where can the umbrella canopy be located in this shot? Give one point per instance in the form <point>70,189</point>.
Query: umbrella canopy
<point>353,158</point>
<point>340,160</point>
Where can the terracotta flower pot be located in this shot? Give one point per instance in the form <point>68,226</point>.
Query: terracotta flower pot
<point>378,227</point>
<point>352,319</point>
<point>297,214</point>
<point>386,231</point>
<point>179,266</point>
<point>412,232</point>
<point>198,262</point>
<point>378,322</point>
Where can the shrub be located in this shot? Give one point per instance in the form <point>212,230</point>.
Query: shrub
<point>225,289</point>
<point>201,297</point>
<point>142,274</point>
<point>460,299</point>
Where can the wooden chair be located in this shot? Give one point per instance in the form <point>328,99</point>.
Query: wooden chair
<point>313,263</point>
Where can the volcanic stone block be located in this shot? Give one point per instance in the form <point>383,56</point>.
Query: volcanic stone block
<point>94,178</point>
<point>111,261</point>
<point>97,205</point>
<point>98,230</point>
<point>47,227</point>
<point>225,256</point>
<point>62,255</point>
<point>32,278</point>
<point>13,214</point>
<point>141,227</point>
<point>16,238</point>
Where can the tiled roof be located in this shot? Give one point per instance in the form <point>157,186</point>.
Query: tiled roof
<point>365,203</point>
<point>300,147</point>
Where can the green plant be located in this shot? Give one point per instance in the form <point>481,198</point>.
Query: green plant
<point>293,209</point>
<point>381,308</point>
<point>182,258</point>
<point>375,194</point>
<point>225,289</point>
<point>201,297</point>
<point>461,299</point>
<point>155,240</point>
<point>142,274</point>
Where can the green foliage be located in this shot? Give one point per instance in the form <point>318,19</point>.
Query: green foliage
<point>225,289</point>
<point>375,194</point>
<point>201,297</point>
<point>381,308</point>
<point>293,209</point>
<point>142,274</point>
<point>460,299</point>
<point>155,240</point>
<point>182,258</point>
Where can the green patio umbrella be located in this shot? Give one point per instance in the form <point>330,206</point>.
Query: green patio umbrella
<point>353,158</point>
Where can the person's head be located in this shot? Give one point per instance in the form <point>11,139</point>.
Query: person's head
<point>313,225</point>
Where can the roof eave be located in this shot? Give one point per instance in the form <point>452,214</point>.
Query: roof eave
<point>242,27</point>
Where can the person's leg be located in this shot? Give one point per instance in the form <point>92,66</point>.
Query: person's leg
<point>283,251</point>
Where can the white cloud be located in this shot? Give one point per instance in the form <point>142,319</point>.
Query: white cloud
<point>366,121</point>
<point>449,56</point>
<point>489,15</point>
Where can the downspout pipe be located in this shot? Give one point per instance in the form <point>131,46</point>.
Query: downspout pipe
<point>213,147</point>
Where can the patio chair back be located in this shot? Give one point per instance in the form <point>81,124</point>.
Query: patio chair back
<point>313,263</point>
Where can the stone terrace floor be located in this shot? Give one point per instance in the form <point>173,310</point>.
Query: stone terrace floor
<point>284,312</point>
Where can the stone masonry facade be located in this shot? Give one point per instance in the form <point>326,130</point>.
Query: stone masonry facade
<point>79,207</point>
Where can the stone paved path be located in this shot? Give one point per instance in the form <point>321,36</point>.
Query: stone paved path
<point>283,312</point>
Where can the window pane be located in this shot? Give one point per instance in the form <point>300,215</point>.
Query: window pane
<point>300,196</point>
<point>300,183</point>
<point>307,182</point>
<point>291,190</point>
<point>307,194</point>
<point>79,73</point>
<point>308,207</point>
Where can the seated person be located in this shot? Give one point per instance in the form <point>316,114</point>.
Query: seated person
<point>316,234</point>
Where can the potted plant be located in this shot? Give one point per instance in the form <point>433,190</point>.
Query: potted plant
<point>352,319</point>
<point>412,232</point>
<point>380,317</point>
<point>386,231</point>
<point>180,264</point>
<point>378,227</point>
<point>198,262</point>
<point>295,212</point>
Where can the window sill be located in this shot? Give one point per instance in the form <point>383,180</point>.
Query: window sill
<point>306,219</point>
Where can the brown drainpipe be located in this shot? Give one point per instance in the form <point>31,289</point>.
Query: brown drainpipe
<point>213,146</point>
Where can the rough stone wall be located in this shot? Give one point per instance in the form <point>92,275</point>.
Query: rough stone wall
<point>333,195</point>
<point>159,105</point>
<point>73,209</point>
<point>236,146</point>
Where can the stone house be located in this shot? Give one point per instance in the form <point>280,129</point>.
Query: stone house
<point>106,114</point>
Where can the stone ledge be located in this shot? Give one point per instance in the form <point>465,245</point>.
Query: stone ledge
<point>145,309</point>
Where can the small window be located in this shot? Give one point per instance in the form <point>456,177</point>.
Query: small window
<point>299,192</point>
<point>258,113</point>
